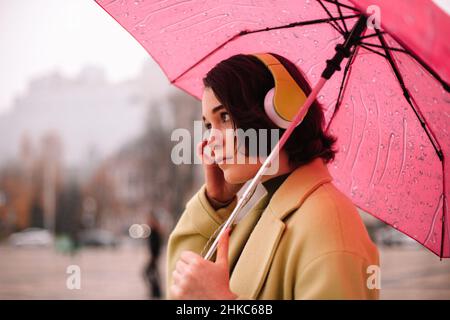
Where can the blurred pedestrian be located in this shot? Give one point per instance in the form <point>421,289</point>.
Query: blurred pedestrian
<point>154,243</point>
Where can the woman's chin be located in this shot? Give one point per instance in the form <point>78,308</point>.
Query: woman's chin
<point>236,174</point>
<point>232,175</point>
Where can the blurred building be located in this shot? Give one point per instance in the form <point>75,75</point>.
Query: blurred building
<point>114,197</point>
<point>87,111</point>
<point>93,118</point>
<point>116,167</point>
<point>141,178</point>
<point>30,185</point>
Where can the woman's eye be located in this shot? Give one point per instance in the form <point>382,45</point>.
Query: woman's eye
<point>225,116</point>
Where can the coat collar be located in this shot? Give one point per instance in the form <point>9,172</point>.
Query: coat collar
<point>298,186</point>
<point>260,233</point>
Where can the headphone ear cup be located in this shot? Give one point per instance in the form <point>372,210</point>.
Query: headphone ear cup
<point>269,108</point>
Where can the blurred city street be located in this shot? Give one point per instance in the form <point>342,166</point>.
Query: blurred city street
<point>40,273</point>
<point>413,273</point>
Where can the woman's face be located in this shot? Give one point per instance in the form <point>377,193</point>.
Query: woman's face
<point>222,142</point>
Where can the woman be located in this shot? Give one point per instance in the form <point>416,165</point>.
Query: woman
<point>303,240</point>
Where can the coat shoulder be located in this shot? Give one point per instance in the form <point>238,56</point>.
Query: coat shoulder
<point>327,222</point>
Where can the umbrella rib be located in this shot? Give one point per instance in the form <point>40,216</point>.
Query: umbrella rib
<point>371,35</point>
<point>408,98</point>
<point>343,86</point>
<point>428,131</point>
<point>444,84</point>
<point>245,32</point>
<point>335,24</point>
<point>389,48</point>
<point>340,14</point>
<point>374,51</point>
<point>420,61</point>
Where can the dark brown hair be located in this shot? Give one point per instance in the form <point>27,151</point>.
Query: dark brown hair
<point>241,82</point>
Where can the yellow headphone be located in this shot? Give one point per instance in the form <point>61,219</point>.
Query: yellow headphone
<point>282,102</point>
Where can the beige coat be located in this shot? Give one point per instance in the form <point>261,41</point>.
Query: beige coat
<point>308,242</point>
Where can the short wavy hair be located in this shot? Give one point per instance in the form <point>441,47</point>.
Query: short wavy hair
<point>241,82</point>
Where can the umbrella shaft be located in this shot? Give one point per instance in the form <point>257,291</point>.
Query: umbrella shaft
<point>343,50</point>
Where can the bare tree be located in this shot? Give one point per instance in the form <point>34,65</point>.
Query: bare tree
<point>169,185</point>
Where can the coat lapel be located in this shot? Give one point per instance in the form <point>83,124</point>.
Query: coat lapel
<point>251,269</point>
<point>260,238</point>
<point>242,230</point>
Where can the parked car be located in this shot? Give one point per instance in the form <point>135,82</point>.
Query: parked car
<point>98,238</point>
<point>31,237</point>
<point>389,236</point>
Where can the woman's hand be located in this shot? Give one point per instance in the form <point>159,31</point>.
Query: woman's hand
<point>217,188</point>
<point>197,278</point>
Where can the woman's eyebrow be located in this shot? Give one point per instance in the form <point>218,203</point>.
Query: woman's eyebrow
<point>215,109</point>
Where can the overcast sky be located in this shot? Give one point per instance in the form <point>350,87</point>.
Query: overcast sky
<point>39,36</point>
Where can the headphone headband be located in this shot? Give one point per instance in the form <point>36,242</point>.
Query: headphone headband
<point>284,100</point>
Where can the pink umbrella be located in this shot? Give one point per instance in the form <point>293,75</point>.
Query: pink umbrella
<point>389,108</point>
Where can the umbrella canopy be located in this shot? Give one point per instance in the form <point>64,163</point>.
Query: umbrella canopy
<point>389,107</point>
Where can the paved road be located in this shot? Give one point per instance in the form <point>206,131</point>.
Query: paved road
<point>413,273</point>
<point>38,273</point>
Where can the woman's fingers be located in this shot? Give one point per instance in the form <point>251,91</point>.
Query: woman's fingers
<point>204,152</point>
<point>180,266</point>
<point>222,248</point>
<point>182,275</point>
<point>177,292</point>
<point>176,277</point>
<point>190,257</point>
<point>199,149</point>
